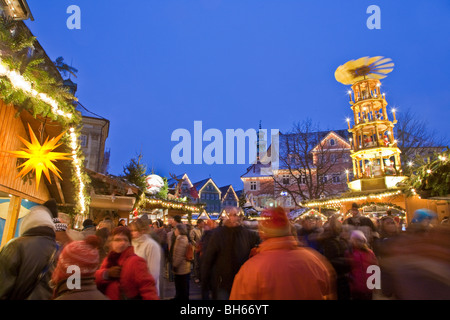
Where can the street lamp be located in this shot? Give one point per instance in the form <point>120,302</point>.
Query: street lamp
<point>16,9</point>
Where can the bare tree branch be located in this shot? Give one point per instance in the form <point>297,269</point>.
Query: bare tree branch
<point>306,163</point>
<point>415,137</point>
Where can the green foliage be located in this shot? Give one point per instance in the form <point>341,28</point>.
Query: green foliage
<point>242,200</point>
<point>135,172</point>
<point>18,52</point>
<point>164,190</point>
<point>430,179</point>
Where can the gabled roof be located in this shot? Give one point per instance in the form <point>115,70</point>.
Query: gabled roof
<point>107,184</point>
<point>200,184</point>
<point>257,170</point>
<point>172,183</point>
<point>334,134</point>
<point>225,189</point>
<point>203,215</point>
<point>313,137</point>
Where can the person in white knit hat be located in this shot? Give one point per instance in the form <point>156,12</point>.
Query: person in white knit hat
<point>26,262</point>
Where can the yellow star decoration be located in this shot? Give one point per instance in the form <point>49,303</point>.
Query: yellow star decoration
<point>40,157</point>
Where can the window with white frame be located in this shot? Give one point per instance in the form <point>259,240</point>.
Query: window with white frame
<point>303,179</point>
<point>253,185</point>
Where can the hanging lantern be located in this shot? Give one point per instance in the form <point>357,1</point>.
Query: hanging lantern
<point>40,157</point>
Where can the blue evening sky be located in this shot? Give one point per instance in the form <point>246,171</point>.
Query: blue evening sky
<point>154,66</point>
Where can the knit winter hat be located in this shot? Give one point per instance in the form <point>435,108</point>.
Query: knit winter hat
<point>52,206</point>
<point>83,254</point>
<point>59,226</point>
<point>39,216</point>
<point>275,223</point>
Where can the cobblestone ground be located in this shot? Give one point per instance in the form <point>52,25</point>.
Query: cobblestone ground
<point>168,290</point>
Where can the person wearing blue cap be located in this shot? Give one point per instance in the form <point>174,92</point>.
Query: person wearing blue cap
<point>422,220</point>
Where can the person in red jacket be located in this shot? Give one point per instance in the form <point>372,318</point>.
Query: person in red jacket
<point>360,257</point>
<point>282,270</point>
<point>123,275</point>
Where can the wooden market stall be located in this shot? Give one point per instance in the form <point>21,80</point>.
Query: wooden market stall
<point>38,132</point>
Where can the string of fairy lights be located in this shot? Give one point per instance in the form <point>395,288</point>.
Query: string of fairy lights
<point>19,82</point>
<point>172,205</point>
<point>338,202</point>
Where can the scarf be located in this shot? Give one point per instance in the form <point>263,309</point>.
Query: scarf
<point>113,259</point>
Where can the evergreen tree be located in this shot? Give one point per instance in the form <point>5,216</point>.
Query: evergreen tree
<point>164,190</point>
<point>135,172</point>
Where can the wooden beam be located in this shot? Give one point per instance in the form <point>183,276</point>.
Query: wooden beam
<point>23,195</point>
<point>11,219</point>
<point>58,185</point>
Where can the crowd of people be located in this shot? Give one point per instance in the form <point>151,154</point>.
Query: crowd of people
<point>356,258</point>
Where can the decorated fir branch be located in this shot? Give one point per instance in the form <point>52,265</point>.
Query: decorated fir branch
<point>429,179</point>
<point>24,81</point>
<point>26,84</point>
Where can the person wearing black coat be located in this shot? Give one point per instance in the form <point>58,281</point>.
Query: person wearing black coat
<point>228,248</point>
<point>26,262</point>
<point>334,248</point>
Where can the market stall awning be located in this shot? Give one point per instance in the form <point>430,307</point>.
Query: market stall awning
<point>108,202</point>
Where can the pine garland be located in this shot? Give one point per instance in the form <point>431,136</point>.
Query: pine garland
<point>17,53</point>
<point>430,179</point>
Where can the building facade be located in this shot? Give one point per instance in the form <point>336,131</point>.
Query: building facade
<point>322,171</point>
<point>229,197</point>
